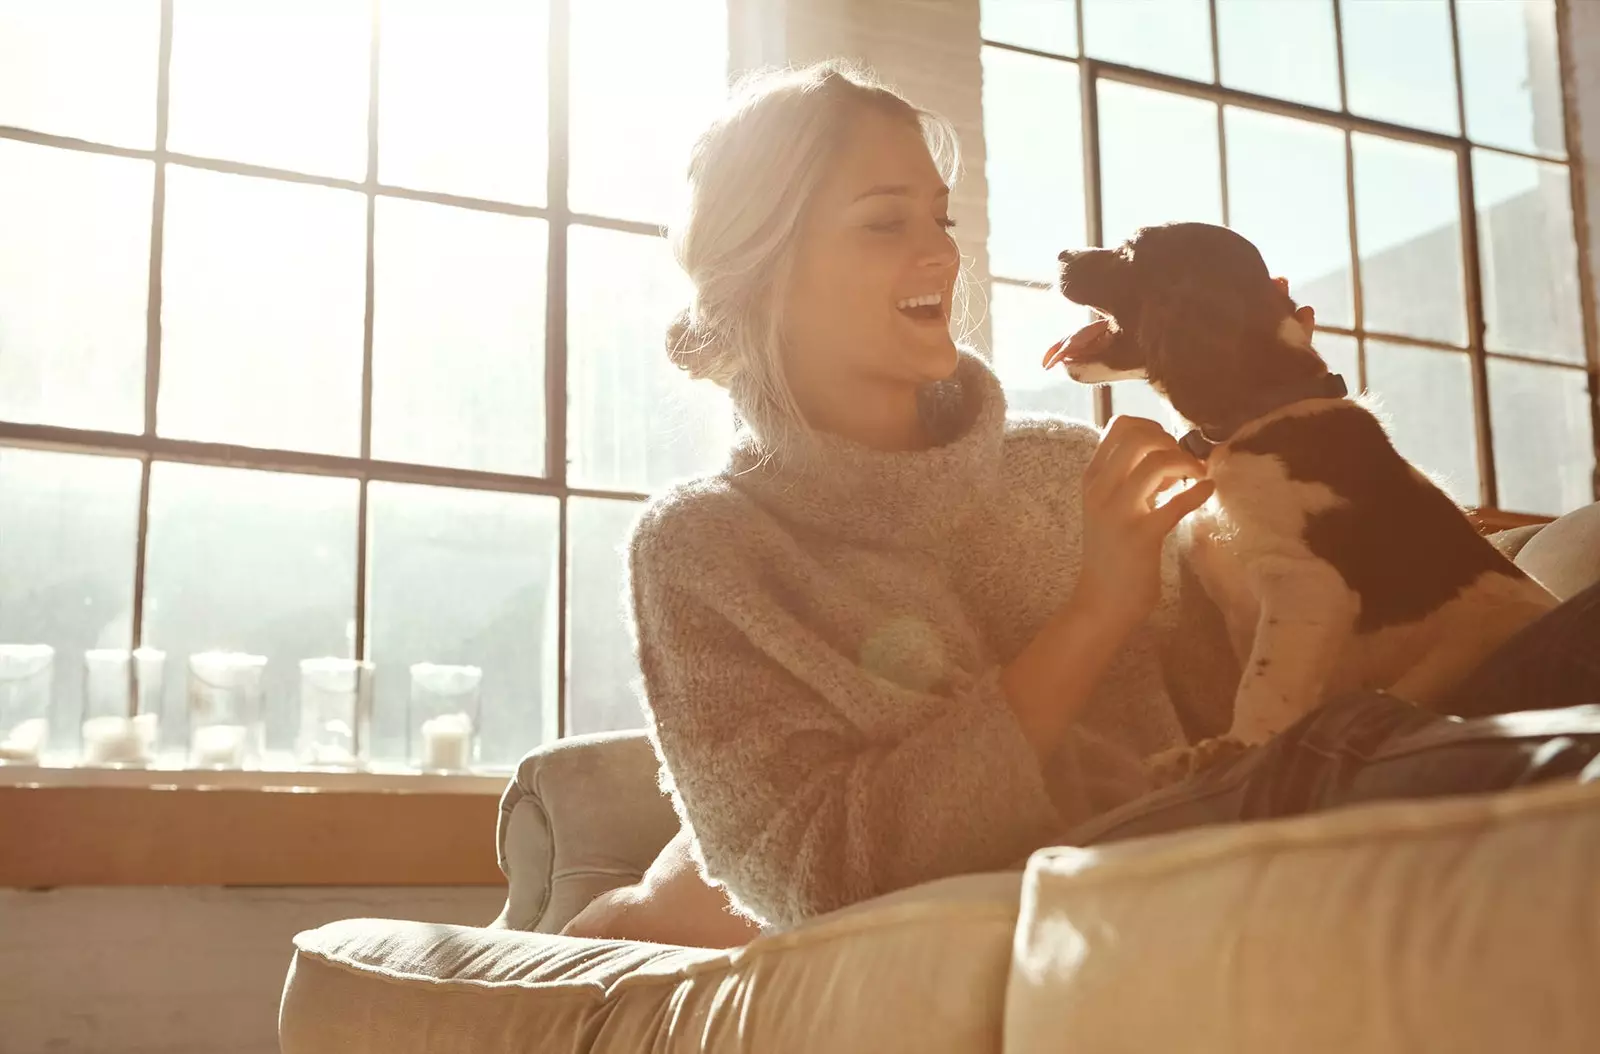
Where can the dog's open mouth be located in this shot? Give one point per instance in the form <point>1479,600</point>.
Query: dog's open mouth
<point>1084,346</point>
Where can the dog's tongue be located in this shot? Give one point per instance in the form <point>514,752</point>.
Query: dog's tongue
<point>1081,345</point>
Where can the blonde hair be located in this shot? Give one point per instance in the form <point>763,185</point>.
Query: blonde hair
<point>751,175</point>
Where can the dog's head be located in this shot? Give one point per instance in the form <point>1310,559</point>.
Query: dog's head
<point>1192,308</point>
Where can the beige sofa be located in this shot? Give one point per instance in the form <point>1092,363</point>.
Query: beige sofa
<point>1465,924</point>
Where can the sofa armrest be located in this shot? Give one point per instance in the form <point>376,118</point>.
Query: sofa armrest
<point>581,816</point>
<point>1564,556</point>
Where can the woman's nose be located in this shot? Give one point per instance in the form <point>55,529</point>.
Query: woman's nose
<point>941,251</point>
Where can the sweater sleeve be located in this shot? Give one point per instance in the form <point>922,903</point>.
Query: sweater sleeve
<point>796,810</point>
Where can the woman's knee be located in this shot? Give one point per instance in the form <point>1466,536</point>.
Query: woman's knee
<point>607,916</point>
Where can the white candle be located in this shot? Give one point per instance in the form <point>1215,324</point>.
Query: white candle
<point>112,740</point>
<point>447,741</point>
<point>25,740</point>
<point>218,746</point>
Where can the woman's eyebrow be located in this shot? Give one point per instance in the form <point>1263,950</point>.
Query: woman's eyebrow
<point>899,190</point>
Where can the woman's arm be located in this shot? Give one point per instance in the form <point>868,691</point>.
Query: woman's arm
<point>1049,682</point>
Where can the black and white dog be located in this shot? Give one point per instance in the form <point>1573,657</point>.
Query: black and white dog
<point>1336,564</point>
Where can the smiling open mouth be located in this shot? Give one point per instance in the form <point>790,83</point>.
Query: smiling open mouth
<point>929,308</point>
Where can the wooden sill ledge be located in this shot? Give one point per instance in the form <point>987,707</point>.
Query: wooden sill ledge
<point>192,834</point>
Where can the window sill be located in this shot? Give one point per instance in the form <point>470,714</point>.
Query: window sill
<point>139,827</point>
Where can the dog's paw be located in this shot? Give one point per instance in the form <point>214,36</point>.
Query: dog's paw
<point>1181,763</point>
<point>1170,766</point>
<point>1219,750</point>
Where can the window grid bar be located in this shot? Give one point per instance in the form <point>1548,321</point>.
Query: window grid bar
<point>152,345</point>
<point>299,462</point>
<point>1358,305</point>
<point>555,350</point>
<point>1093,219</point>
<point>374,57</point>
<point>1216,43</point>
<point>1338,53</point>
<point>1472,275</point>
<point>1222,134</point>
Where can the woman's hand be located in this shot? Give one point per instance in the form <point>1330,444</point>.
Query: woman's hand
<point>1123,528</point>
<point>1119,583</point>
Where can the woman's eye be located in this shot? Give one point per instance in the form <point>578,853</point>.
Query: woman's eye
<point>888,226</point>
<point>947,223</point>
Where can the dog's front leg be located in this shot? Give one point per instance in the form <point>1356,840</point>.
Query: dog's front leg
<point>1307,615</point>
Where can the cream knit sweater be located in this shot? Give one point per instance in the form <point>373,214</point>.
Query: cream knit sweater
<point>821,642</point>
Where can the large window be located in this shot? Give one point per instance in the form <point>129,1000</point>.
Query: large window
<point>333,328</point>
<point>1402,162</point>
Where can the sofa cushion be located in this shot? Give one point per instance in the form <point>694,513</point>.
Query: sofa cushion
<point>1470,924</point>
<point>921,970</point>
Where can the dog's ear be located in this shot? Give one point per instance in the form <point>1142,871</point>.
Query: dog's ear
<point>1199,342</point>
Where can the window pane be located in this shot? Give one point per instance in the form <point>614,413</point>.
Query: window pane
<point>1398,61</point>
<point>1543,437</point>
<point>1426,396</point>
<point>263,289</point>
<point>1169,36</point>
<point>1043,25</point>
<point>259,562</point>
<point>1528,255</point>
<point>74,287</point>
<point>68,528</point>
<point>1026,321</point>
<point>83,68</point>
<point>1034,145</point>
<point>635,421</point>
<point>232,95</point>
<point>602,666</point>
<point>1512,74</point>
<point>646,77</point>
<point>1408,224</point>
<point>1158,157</point>
<point>458,338</point>
<point>463,577</point>
<point>1283,48</point>
<point>464,97</point>
<point>1341,354</point>
<point>1287,193</point>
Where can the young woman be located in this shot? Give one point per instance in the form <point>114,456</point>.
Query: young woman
<point>902,636</point>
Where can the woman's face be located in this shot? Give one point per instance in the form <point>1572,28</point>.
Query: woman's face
<point>869,300</point>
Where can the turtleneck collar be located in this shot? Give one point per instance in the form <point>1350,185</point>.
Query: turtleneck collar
<point>912,498</point>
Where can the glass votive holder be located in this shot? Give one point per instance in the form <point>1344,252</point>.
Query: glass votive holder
<point>444,716</point>
<point>335,712</point>
<point>25,676</point>
<point>121,704</point>
<point>225,724</point>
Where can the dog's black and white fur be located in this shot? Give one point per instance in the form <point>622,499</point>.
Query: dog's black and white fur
<point>1336,564</point>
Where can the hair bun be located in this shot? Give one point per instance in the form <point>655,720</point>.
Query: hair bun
<point>695,351</point>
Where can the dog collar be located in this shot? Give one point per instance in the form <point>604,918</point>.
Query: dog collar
<point>1199,443</point>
